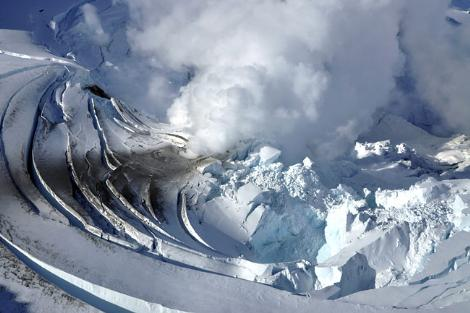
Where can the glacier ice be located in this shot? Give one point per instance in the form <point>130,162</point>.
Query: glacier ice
<point>95,187</point>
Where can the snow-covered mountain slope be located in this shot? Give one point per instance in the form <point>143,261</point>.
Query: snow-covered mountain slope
<point>19,285</point>
<point>112,207</point>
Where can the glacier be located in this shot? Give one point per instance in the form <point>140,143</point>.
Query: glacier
<point>108,205</point>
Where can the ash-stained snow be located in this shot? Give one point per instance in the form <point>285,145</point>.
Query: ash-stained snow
<point>23,290</point>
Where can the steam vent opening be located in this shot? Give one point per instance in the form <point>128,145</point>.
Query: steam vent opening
<point>97,91</point>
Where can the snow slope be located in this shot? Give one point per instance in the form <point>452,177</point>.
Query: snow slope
<point>112,207</point>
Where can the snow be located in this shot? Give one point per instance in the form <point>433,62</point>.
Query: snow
<point>268,154</point>
<point>365,150</point>
<point>307,162</point>
<point>213,167</point>
<point>23,290</point>
<point>116,211</point>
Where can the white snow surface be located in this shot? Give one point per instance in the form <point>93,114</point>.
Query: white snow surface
<point>113,208</point>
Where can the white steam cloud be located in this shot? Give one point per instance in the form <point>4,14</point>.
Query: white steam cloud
<point>93,24</point>
<point>305,74</point>
<point>439,53</point>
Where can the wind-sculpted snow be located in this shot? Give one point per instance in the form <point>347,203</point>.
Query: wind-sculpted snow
<point>114,207</point>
